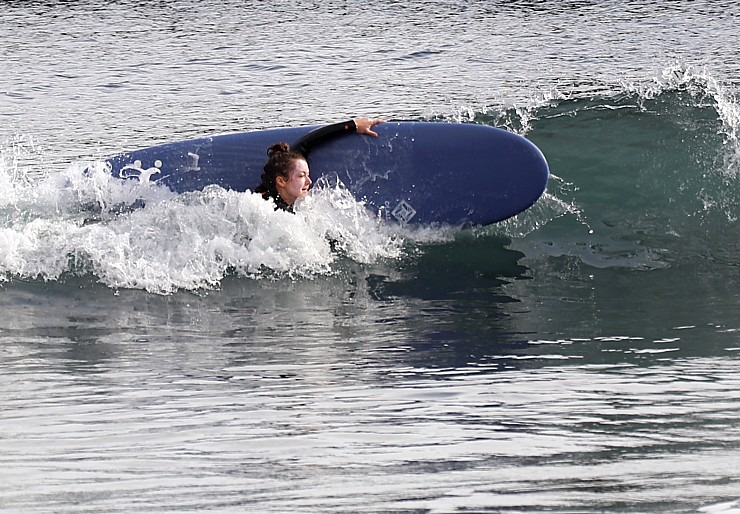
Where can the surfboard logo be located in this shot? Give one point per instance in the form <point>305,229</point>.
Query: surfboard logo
<point>403,212</point>
<point>193,160</point>
<point>135,170</point>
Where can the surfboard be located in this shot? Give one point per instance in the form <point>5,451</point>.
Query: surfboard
<point>459,174</point>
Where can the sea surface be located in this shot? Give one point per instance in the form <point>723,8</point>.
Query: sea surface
<point>581,357</point>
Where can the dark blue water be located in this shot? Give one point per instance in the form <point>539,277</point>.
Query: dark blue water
<point>581,357</point>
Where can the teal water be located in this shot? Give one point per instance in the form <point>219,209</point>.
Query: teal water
<point>581,357</point>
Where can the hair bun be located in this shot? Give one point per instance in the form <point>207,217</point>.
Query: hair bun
<point>278,148</point>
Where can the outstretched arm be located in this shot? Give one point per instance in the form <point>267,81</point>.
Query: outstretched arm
<point>315,137</point>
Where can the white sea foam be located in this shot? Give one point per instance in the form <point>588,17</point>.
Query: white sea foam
<point>133,235</point>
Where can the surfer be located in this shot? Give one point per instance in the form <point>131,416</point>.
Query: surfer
<point>286,176</point>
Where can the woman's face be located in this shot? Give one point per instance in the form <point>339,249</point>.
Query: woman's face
<point>296,186</point>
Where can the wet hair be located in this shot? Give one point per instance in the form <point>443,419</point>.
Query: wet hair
<point>280,159</point>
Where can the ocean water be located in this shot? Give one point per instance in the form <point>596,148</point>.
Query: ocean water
<point>205,353</point>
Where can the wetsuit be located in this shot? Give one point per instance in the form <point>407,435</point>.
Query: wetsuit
<point>304,145</point>
<point>319,135</point>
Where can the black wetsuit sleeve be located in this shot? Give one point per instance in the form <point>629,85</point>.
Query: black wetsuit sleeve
<point>321,134</point>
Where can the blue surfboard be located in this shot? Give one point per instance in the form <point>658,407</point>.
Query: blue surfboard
<point>413,172</point>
